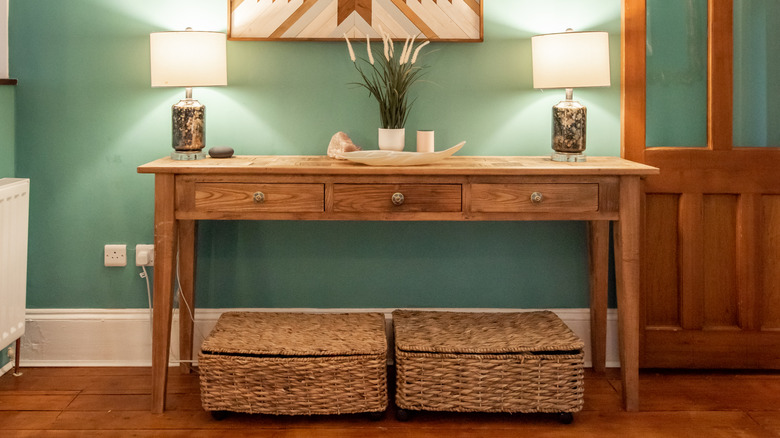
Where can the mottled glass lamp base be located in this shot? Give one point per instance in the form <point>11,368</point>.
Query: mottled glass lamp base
<point>189,130</point>
<point>568,131</point>
<point>184,156</point>
<point>572,158</point>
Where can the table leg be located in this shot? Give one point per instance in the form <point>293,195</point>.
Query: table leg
<point>17,355</point>
<point>598,263</point>
<point>187,259</point>
<point>627,241</point>
<point>164,274</point>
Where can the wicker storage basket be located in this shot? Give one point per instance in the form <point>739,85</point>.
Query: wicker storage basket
<point>295,363</point>
<point>487,362</point>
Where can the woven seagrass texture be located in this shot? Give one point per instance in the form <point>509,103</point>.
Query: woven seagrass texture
<point>307,378</point>
<point>493,368</point>
<point>475,332</point>
<point>297,334</point>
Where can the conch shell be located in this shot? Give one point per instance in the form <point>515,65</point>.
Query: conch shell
<point>339,143</point>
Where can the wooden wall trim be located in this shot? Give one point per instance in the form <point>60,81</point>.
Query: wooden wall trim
<point>632,80</point>
<point>702,170</point>
<point>720,67</point>
<point>8,81</point>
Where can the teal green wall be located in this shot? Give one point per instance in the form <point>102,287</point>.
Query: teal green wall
<point>4,356</point>
<point>7,150</point>
<point>87,117</point>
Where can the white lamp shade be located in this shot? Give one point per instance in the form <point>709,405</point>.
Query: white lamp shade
<point>188,59</point>
<point>571,60</point>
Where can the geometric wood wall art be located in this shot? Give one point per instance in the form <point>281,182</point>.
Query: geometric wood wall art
<point>329,20</point>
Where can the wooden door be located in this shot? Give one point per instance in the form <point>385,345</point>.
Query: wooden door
<point>711,245</point>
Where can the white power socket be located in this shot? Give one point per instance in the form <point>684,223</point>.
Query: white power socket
<point>144,255</point>
<point>115,255</point>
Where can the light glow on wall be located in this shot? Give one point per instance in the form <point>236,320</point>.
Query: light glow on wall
<point>175,14</point>
<point>537,17</point>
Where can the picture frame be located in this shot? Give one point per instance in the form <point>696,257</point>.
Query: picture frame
<point>333,20</point>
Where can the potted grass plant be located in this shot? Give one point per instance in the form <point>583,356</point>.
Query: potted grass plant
<point>388,77</point>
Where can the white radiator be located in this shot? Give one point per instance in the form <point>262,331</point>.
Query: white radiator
<point>14,213</point>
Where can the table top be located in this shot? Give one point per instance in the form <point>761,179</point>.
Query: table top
<point>456,165</point>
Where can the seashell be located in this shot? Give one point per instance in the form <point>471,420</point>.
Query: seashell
<point>339,143</point>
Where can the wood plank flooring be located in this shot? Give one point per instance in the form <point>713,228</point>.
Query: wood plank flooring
<point>114,402</point>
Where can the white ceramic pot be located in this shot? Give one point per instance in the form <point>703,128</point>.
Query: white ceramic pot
<point>392,139</point>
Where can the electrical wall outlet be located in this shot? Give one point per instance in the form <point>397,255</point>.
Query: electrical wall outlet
<point>144,255</point>
<point>115,255</point>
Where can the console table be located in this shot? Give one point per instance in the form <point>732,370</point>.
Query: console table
<point>459,188</point>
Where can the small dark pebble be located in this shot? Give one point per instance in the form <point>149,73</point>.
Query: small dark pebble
<point>221,152</point>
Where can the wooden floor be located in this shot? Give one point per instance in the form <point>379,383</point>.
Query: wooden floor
<point>111,402</point>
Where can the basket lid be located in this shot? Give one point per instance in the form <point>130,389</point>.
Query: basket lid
<point>297,334</point>
<point>482,333</point>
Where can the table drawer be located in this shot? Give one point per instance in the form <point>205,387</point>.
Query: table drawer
<point>273,197</point>
<point>389,198</point>
<point>545,197</point>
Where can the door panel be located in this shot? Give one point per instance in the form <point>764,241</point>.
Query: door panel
<point>662,262</point>
<point>770,305</point>
<point>676,73</point>
<point>720,303</point>
<point>756,73</point>
<point>711,244</point>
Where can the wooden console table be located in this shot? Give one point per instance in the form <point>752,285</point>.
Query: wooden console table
<point>601,190</point>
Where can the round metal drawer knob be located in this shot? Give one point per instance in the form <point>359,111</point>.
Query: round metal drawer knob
<point>536,197</point>
<point>398,198</point>
<point>258,197</point>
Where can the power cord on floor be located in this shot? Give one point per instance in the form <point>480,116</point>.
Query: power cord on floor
<point>145,275</point>
<point>190,310</point>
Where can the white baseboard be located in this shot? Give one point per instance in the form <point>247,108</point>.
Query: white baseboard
<point>122,337</point>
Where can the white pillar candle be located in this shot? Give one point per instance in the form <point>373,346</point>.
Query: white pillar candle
<point>425,141</point>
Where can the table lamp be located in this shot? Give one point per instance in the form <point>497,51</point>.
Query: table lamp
<point>569,60</point>
<point>188,59</point>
